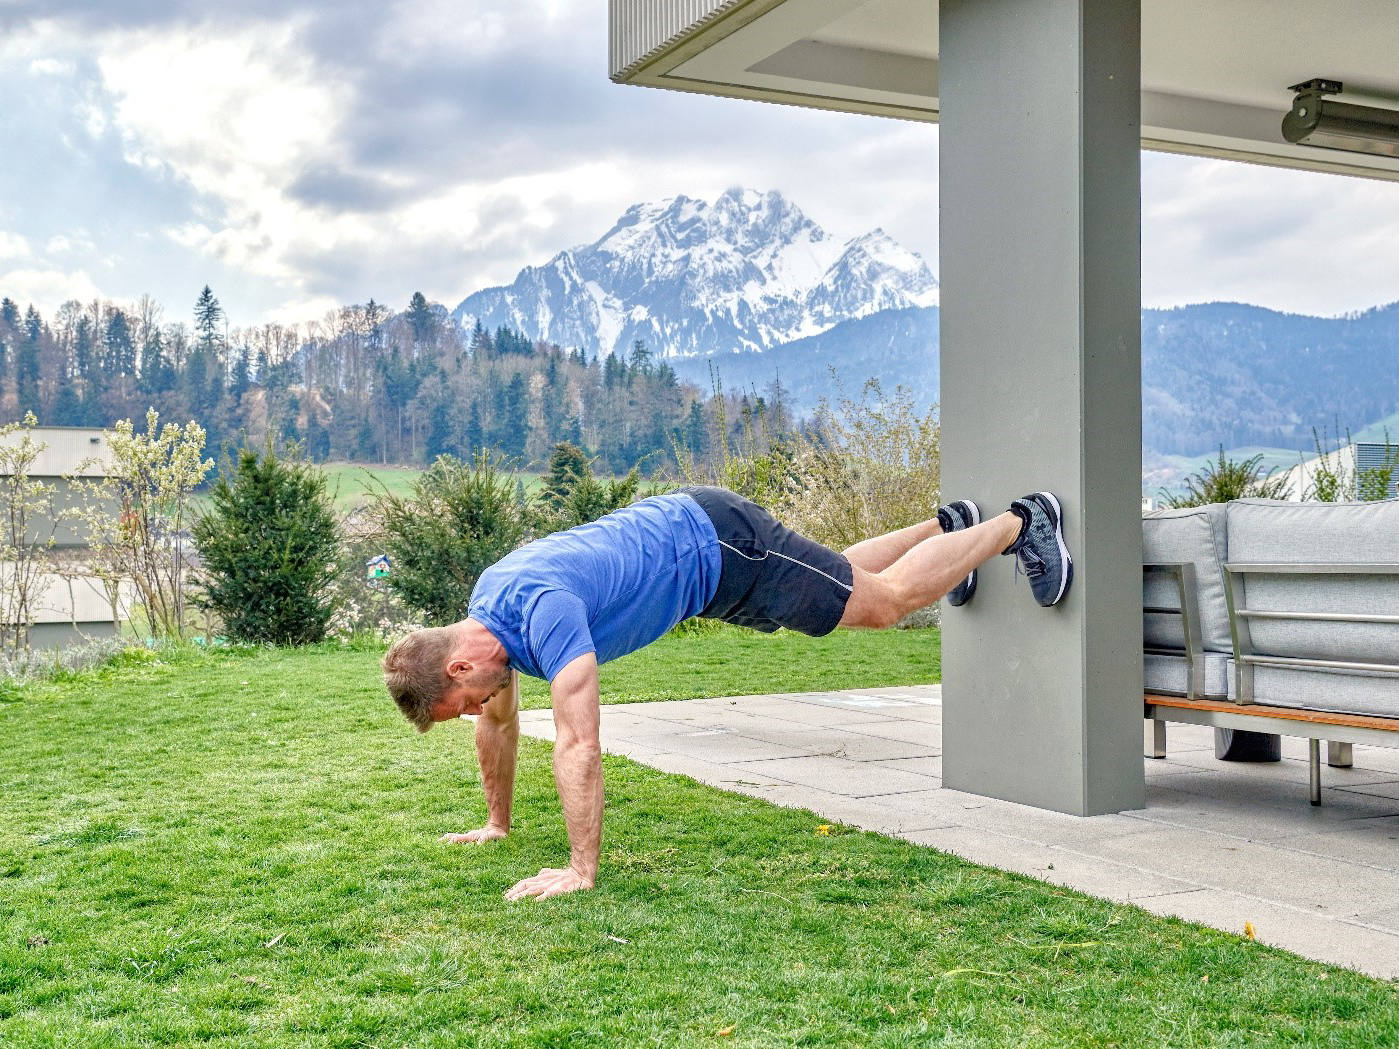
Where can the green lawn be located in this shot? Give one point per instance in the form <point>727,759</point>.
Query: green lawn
<point>353,483</point>
<point>238,849</point>
<point>731,661</point>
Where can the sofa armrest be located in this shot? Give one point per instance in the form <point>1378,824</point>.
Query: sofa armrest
<point>1189,611</point>
<point>1240,616</point>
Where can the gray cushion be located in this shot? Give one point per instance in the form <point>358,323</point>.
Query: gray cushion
<point>1329,690</point>
<point>1265,531</point>
<point>1197,535</point>
<point>1166,675</point>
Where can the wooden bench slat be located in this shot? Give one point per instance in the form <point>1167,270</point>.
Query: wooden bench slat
<point>1312,717</point>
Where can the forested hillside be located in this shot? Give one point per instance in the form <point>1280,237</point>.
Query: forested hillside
<point>365,383</point>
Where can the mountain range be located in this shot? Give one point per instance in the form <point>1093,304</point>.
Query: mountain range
<point>749,271</point>
<point>748,289</point>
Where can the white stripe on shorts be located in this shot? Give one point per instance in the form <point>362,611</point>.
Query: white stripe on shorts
<point>778,553</point>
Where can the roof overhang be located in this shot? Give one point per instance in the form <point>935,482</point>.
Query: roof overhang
<point>1215,73</point>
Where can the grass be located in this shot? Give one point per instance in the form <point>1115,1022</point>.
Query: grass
<point>238,848</point>
<point>353,484</point>
<point>731,661</point>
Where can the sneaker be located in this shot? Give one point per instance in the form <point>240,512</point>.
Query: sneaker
<point>954,517</point>
<point>1039,550</point>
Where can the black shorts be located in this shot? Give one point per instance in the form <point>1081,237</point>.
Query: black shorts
<point>771,576</point>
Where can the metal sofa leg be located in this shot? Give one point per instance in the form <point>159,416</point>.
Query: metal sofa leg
<point>1155,733</point>
<point>1314,760</point>
<point>1340,755</point>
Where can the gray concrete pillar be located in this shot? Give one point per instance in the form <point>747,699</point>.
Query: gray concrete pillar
<point>1041,388</point>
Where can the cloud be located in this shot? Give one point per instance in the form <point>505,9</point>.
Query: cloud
<point>48,287</point>
<point>1296,241</point>
<point>294,153</point>
<point>13,246</point>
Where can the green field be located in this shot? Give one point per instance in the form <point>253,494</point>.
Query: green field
<point>238,848</point>
<point>353,484</point>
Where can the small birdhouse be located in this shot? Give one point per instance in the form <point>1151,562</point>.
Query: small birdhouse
<point>376,567</point>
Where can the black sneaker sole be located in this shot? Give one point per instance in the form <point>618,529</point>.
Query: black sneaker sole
<point>970,581</point>
<point>1068,573</point>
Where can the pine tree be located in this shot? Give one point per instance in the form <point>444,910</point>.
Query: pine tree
<point>475,433</point>
<point>441,431</point>
<point>269,544</point>
<point>241,377</point>
<point>514,420</point>
<point>83,357</point>
<point>208,314</point>
<point>567,466</point>
<point>420,318</point>
<point>27,364</point>
<point>120,350</point>
<point>481,345</point>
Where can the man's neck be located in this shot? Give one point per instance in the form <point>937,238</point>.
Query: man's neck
<point>482,646</point>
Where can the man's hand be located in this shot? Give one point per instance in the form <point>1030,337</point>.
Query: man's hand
<point>549,882</point>
<point>475,837</point>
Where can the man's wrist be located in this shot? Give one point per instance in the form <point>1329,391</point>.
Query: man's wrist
<point>586,871</point>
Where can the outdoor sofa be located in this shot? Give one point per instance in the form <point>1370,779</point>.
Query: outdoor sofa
<point>1273,618</point>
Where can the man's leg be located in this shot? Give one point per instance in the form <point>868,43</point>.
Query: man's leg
<point>926,572</point>
<point>878,553</point>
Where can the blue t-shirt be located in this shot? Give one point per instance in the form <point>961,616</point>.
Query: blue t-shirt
<point>609,587</point>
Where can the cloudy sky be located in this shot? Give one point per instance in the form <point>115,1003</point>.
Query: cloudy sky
<point>298,155</point>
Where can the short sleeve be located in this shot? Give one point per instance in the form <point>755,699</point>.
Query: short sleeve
<point>556,632</point>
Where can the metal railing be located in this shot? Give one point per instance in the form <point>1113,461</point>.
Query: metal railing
<point>1246,659</point>
<point>1188,609</point>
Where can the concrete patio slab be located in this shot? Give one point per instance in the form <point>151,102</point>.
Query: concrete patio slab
<point>1219,843</point>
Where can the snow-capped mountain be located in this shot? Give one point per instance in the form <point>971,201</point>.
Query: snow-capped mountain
<point>749,271</point>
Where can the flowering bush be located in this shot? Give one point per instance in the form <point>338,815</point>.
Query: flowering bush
<point>365,610</point>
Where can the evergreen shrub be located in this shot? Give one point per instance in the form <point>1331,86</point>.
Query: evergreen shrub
<point>460,519</point>
<point>572,496</point>
<point>269,547</point>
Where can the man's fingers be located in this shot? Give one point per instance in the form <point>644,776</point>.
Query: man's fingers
<point>473,837</point>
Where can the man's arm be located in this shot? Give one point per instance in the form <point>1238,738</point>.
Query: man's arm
<point>497,740</point>
<point>578,775</point>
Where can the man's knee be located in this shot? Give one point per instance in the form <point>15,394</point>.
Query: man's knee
<point>873,603</point>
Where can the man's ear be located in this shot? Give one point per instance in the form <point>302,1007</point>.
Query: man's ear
<point>458,667</point>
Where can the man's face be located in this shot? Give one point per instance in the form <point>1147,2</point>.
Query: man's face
<point>459,698</point>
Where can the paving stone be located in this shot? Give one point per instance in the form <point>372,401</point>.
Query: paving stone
<point>1386,919</point>
<point>1112,881</point>
<point>929,766</point>
<point>1281,796</point>
<point>856,701</point>
<point>1254,814</point>
<point>920,732</point>
<point>846,744</point>
<point>872,814</point>
<point>837,775</point>
<point>719,745</point>
<point>1372,842</point>
<point>1388,789</point>
<point>922,694</point>
<point>1314,884</point>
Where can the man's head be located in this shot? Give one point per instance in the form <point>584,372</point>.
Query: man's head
<point>439,673</point>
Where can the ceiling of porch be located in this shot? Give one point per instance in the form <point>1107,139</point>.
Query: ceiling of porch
<point>1215,73</point>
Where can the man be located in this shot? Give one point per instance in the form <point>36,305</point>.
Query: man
<point>561,605</point>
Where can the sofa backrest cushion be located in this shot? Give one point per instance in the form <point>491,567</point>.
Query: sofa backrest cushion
<point>1270,532</point>
<point>1197,535</point>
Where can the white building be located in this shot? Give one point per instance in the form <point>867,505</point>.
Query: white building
<point>73,605</point>
<point>1348,463</point>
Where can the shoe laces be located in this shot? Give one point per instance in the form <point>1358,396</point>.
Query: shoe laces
<point>1028,562</point>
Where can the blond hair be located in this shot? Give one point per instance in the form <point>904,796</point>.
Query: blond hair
<point>415,673</point>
